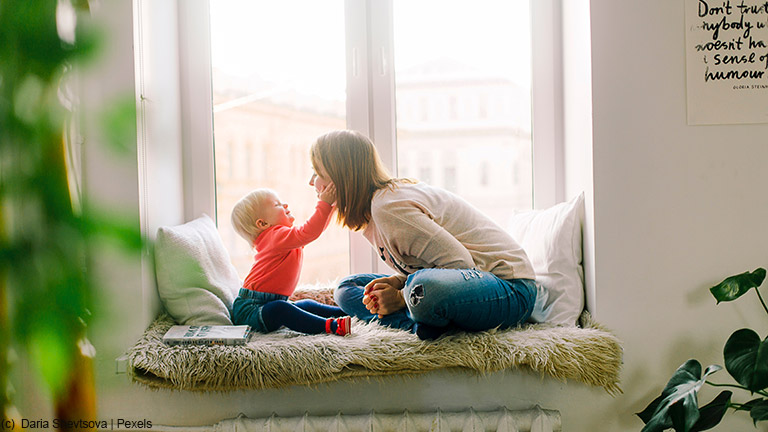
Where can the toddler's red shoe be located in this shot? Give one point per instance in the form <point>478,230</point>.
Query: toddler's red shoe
<point>344,326</point>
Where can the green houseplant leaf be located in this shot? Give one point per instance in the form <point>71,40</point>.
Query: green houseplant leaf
<point>647,414</point>
<point>746,359</point>
<point>735,286</point>
<point>678,404</point>
<point>759,410</point>
<point>711,413</point>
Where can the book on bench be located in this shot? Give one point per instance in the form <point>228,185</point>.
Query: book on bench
<point>207,335</point>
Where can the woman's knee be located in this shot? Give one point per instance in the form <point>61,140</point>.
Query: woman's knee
<point>348,293</point>
<point>351,289</point>
<point>343,294</point>
<point>424,292</point>
<point>348,281</point>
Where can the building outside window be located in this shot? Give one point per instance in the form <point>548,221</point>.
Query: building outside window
<point>462,96</point>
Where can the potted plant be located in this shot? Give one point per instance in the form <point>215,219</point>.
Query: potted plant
<point>47,230</point>
<point>746,359</point>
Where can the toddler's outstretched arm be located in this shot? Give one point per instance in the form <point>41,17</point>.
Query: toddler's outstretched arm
<point>295,237</point>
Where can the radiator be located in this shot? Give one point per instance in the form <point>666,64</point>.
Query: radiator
<point>534,419</point>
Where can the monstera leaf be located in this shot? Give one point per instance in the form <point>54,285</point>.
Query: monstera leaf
<point>678,407</point>
<point>711,413</point>
<point>758,410</point>
<point>735,286</point>
<point>746,359</point>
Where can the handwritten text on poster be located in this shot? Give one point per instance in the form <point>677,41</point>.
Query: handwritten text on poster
<point>727,61</point>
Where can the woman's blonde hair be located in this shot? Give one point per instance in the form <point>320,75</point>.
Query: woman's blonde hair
<point>249,210</point>
<point>351,162</point>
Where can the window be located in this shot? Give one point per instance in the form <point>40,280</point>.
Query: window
<point>442,87</point>
<point>474,57</point>
<point>278,82</point>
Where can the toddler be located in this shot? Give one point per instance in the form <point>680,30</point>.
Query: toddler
<point>267,224</point>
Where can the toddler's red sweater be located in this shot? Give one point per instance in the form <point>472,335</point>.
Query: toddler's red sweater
<point>279,253</point>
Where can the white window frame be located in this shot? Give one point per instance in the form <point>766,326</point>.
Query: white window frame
<point>370,90</point>
<point>195,81</point>
<point>547,103</point>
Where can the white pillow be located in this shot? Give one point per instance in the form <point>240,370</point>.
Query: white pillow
<point>195,278</point>
<point>552,240</point>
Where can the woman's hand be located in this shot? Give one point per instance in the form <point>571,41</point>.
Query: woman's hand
<point>328,194</point>
<point>383,296</point>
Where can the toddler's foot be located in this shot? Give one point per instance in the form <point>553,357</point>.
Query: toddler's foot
<point>341,326</point>
<point>344,326</point>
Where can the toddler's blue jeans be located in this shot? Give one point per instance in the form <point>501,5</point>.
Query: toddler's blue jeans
<point>266,312</point>
<point>468,300</point>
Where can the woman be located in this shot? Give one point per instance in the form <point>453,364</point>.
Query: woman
<point>457,270</point>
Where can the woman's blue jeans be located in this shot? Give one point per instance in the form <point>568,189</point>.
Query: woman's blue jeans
<point>469,300</point>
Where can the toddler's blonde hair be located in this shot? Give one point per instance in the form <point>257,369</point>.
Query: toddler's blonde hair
<point>249,210</point>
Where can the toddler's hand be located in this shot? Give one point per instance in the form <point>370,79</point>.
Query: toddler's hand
<point>328,194</point>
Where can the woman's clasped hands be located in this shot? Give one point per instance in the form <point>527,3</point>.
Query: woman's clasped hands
<point>383,296</point>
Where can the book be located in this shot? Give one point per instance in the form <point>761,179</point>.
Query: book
<point>207,335</point>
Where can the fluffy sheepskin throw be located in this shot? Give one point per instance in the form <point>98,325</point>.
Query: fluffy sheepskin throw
<point>590,354</point>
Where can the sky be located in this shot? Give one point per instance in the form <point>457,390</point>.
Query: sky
<point>300,43</point>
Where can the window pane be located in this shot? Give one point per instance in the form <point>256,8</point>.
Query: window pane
<point>278,83</point>
<point>463,104</point>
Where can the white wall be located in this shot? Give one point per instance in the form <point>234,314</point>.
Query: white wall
<point>677,208</point>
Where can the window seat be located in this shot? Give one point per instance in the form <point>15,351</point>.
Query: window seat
<point>588,354</point>
<point>197,284</point>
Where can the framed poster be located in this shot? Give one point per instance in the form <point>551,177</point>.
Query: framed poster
<point>727,61</point>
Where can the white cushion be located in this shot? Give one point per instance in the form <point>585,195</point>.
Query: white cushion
<point>552,240</point>
<point>196,280</point>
